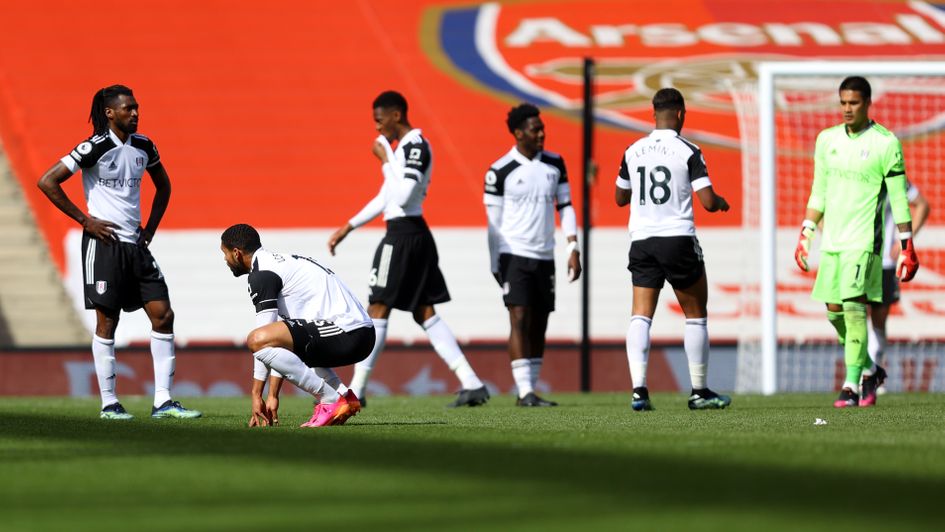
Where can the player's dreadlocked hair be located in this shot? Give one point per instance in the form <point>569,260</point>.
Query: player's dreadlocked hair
<point>669,99</point>
<point>242,236</point>
<point>391,100</point>
<point>858,83</point>
<point>518,116</point>
<point>102,99</point>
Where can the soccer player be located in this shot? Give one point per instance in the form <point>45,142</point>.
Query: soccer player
<point>119,271</point>
<point>879,311</point>
<point>659,174</point>
<point>856,165</point>
<point>405,274</point>
<point>307,322</point>
<point>522,191</point>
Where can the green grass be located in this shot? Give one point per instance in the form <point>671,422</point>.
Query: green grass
<point>410,463</point>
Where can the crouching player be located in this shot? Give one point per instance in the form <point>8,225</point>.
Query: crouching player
<point>307,322</point>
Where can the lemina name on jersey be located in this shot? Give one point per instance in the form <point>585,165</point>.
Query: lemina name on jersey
<point>298,287</point>
<point>662,170</point>
<point>528,191</point>
<point>111,176</point>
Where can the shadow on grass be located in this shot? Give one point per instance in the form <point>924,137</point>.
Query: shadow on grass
<point>623,480</point>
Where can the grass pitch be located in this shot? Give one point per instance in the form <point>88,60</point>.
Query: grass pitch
<point>410,463</point>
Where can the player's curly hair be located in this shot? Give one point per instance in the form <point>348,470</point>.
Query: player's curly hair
<point>102,99</point>
<point>241,236</point>
<point>669,99</point>
<point>858,83</point>
<point>519,114</point>
<point>391,100</point>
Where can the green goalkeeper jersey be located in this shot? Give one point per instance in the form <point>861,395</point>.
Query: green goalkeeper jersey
<point>853,175</point>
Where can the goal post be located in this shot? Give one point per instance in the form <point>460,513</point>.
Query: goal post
<point>783,88</point>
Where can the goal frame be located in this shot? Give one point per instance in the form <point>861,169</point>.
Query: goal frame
<point>767,169</point>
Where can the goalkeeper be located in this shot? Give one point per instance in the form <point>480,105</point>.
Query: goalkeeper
<point>856,165</point>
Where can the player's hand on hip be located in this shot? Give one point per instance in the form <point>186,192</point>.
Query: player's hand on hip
<point>908,263</point>
<point>144,237</point>
<point>272,405</point>
<point>260,416</point>
<point>100,229</point>
<point>802,251</point>
<point>378,150</point>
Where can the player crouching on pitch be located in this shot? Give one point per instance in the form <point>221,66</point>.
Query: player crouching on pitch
<point>307,322</point>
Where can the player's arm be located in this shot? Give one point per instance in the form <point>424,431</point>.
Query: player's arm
<point>51,185</point>
<point>623,191</point>
<point>896,186</point>
<point>568,220</point>
<point>816,204</point>
<point>264,289</point>
<point>162,197</point>
<point>702,185</point>
<point>365,215</point>
<point>494,199</point>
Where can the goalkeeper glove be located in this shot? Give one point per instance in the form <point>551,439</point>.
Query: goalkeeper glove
<point>803,244</point>
<point>908,263</point>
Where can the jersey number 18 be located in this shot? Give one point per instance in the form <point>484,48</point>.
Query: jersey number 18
<point>659,180</point>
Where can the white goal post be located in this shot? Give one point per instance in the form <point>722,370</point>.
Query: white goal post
<point>768,72</point>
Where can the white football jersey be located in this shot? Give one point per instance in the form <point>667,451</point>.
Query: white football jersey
<point>662,171</point>
<point>414,157</point>
<point>301,288</point>
<point>891,232</point>
<point>528,191</point>
<point>111,177</point>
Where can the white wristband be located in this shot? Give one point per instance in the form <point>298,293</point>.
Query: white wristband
<point>809,224</point>
<point>905,235</point>
<point>572,247</point>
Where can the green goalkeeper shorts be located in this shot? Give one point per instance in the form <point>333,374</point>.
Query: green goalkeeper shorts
<point>848,275</point>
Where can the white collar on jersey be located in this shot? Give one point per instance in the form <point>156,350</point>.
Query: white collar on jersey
<point>664,133</point>
<point>115,139</point>
<point>409,137</point>
<point>520,157</point>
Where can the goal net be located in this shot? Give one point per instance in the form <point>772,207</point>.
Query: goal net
<point>786,343</point>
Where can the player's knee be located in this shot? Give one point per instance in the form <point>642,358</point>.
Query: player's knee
<point>257,340</point>
<point>163,322</point>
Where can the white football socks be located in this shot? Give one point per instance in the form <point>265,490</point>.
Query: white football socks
<point>534,370</point>
<point>362,370</point>
<point>103,354</point>
<point>638,349</point>
<point>696,344</point>
<point>332,379</point>
<point>162,354</point>
<point>522,374</point>
<point>876,344</point>
<point>295,371</point>
<point>445,345</point>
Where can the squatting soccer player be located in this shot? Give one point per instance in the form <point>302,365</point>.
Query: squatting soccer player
<point>119,271</point>
<point>659,175</point>
<point>856,165</point>
<point>307,322</point>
